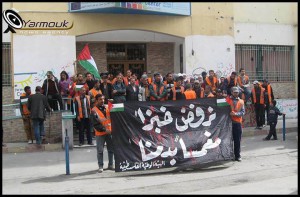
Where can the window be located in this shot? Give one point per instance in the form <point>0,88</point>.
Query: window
<point>126,52</point>
<point>124,56</point>
<point>274,63</point>
<point>6,64</point>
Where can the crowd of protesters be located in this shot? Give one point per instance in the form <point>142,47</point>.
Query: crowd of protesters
<point>83,94</point>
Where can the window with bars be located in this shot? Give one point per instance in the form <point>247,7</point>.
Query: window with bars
<point>274,63</point>
<point>6,64</point>
<point>126,52</point>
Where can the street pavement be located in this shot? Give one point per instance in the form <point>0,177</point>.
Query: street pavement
<point>268,167</point>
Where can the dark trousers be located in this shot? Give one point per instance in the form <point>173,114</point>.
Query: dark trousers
<point>259,113</point>
<point>100,140</point>
<point>84,124</point>
<point>237,135</point>
<point>53,99</point>
<point>272,130</point>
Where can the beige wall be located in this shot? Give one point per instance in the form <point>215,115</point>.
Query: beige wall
<point>212,19</point>
<point>277,13</point>
<point>206,19</point>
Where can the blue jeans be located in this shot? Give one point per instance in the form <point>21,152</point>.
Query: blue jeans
<point>100,140</point>
<point>237,135</point>
<point>38,127</point>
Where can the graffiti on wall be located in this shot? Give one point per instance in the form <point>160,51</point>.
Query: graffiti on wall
<point>34,79</point>
<point>288,106</point>
<point>221,71</point>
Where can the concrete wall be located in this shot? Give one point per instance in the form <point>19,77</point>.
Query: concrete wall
<point>210,52</point>
<point>34,55</point>
<point>268,24</point>
<point>7,95</point>
<point>264,34</point>
<point>13,130</point>
<point>276,13</point>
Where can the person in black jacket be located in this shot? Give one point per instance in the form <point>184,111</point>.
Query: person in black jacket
<point>37,105</point>
<point>51,90</point>
<point>273,116</point>
<point>105,87</point>
<point>132,91</point>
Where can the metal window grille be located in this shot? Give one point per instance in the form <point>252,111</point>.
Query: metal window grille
<point>274,63</point>
<point>6,64</point>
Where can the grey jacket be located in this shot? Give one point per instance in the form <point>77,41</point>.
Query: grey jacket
<point>37,105</point>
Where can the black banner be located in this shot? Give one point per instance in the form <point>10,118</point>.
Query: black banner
<point>184,133</point>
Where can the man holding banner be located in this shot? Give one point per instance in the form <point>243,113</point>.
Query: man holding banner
<point>102,127</point>
<point>236,114</point>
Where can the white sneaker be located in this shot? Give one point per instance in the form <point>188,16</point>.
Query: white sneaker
<point>100,170</point>
<point>29,141</point>
<point>34,141</point>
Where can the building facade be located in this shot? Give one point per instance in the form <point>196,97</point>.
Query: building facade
<point>261,37</point>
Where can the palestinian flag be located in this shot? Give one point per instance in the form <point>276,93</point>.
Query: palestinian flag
<point>87,62</point>
<point>78,87</point>
<point>117,107</point>
<point>222,102</point>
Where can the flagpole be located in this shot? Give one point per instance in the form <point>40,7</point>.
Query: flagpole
<point>75,67</point>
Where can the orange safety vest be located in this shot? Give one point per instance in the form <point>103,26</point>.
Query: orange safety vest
<point>152,98</point>
<point>262,99</point>
<point>80,113</point>
<point>174,92</point>
<point>239,80</point>
<point>105,121</point>
<point>201,93</point>
<point>214,85</point>
<point>114,81</point>
<point>166,83</point>
<point>229,79</point>
<point>94,92</point>
<point>125,79</point>
<point>237,108</point>
<point>269,93</point>
<point>149,80</point>
<point>190,94</point>
<point>24,105</point>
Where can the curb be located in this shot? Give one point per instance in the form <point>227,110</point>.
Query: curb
<point>265,132</point>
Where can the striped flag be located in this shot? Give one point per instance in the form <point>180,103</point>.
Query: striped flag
<point>87,62</point>
<point>116,107</point>
<point>222,102</point>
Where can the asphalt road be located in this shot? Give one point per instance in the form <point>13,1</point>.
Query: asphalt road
<point>268,167</point>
